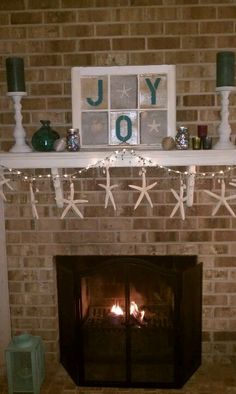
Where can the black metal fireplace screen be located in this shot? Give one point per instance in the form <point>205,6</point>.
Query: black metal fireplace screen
<point>130,321</point>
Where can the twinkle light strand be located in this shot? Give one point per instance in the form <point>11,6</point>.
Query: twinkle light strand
<point>120,154</point>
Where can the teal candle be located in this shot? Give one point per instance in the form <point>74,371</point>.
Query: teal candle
<point>225,69</point>
<point>15,74</point>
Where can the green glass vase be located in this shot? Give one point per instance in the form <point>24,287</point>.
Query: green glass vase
<point>44,138</point>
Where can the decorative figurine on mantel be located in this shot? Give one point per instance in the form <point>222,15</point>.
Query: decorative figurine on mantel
<point>16,90</point>
<point>168,143</point>
<point>224,86</point>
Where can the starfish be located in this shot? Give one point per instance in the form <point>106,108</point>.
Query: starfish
<point>108,188</point>
<point>33,203</point>
<point>222,200</point>
<point>180,201</point>
<point>154,126</point>
<point>72,203</point>
<point>232,183</point>
<point>124,91</point>
<point>4,181</point>
<point>143,189</point>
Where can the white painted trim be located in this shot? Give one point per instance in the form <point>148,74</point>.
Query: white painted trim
<point>5,324</point>
<point>83,159</point>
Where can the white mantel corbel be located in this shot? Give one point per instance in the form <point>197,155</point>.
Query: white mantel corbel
<point>190,185</point>
<point>57,186</point>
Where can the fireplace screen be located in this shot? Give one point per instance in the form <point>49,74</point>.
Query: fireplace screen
<point>128,321</point>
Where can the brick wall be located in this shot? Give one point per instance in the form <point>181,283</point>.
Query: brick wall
<point>53,36</point>
<point>31,245</point>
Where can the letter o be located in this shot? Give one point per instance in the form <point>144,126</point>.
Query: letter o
<point>118,128</point>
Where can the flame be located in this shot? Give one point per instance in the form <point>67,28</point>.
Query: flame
<point>134,311</point>
<point>117,310</point>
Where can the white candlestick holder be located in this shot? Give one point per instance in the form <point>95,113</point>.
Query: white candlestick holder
<point>20,145</point>
<point>224,129</point>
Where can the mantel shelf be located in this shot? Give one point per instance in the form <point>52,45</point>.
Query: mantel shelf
<point>84,159</point>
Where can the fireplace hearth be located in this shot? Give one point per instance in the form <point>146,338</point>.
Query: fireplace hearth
<point>128,321</point>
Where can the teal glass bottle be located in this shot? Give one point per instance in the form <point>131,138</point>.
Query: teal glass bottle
<point>44,138</point>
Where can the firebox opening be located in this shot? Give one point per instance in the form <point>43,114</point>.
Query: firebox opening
<point>128,321</point>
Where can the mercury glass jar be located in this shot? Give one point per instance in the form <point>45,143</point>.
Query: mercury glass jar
<point>182,138</point>
<point>73,140</point>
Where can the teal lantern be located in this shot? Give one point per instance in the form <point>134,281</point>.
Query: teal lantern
<point>25,364</point>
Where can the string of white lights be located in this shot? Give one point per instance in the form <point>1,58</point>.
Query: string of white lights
<point>110,160</point>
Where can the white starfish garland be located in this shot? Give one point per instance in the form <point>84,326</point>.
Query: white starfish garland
<point>180,201</point>
<point>33,202</point>
<point>108,187</point>
<point>222,199</point>
<point>71,203</point>
<point>143,189</point>
<point>233,183</point>
<point>6,182</point>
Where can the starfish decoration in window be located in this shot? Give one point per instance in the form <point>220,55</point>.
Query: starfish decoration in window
<point>154,126</point>
<point>33,202</point>
<point>124,92</point>
<point>222,199</point>
<point>4,181</point>
<point>143,189</point>
<point>71,203</point>
<point>180,201</point>
<point>108,187</point>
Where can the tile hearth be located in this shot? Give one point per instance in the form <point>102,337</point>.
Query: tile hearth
<point>217,379</point>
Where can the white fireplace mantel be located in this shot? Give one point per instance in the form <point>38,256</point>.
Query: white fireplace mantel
<point>123,157</point>
<point>127,157</point>
<point>84,159</point>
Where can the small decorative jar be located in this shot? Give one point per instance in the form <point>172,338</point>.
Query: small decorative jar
<point>207,142</point>
<point>196,143</point>
<point>202,130</point>
<point>182,138</point>
<point>44,138</point>
<point>73,140</point>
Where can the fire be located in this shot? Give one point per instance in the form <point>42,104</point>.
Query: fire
<point>117,310</point>
<point>134,311</point>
